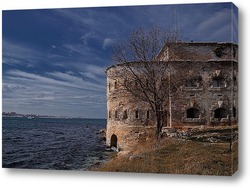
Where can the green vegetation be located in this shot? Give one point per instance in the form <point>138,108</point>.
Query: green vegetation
<point>173,156</point>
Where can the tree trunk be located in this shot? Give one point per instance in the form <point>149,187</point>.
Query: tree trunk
<point>160,119</point>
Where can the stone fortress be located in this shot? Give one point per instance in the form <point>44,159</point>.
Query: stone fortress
<point>206,96</point>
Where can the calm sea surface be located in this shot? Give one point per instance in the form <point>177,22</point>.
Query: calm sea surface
<point>62,144</point>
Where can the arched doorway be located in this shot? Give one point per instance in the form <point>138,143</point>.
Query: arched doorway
<point>220,113</point>
<point>113,142</point>
<point>192,113</point>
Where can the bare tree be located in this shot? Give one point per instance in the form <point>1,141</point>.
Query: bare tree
<point>145,76</point>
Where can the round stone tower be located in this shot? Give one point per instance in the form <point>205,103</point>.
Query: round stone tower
<point>129,121</point>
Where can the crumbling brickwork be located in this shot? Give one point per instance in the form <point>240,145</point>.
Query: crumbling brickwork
<point>203,92</point>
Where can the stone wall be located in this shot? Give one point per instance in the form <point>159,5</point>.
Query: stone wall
<point>199,51</point>
<point>206,96</point>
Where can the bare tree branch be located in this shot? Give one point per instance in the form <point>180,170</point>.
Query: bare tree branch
<point>145,77</point>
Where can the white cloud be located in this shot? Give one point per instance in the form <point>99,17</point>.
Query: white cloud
<point>87,37</point>
<point>108,42</point>
<point>215,21</point>
<point>220,33</point>
<point>55,90</point>
<point>20,54</point>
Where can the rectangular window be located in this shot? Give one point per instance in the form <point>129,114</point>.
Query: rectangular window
<point>191,83</point>
<point>115,85</point>
<point>217,82</point>
<point>147,114</point>
<point>109,114</point>
<point>125,114</point>
<point>136,114</point>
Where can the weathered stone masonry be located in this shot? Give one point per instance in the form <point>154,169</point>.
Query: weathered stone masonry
<point>207,95</point>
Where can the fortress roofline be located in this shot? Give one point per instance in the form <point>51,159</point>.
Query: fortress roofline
<point>168,44</point>
<point>191,43</point>
<point>176,61</point>
<point>201,43</point>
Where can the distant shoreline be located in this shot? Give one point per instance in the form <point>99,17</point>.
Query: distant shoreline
<point>15,114</point>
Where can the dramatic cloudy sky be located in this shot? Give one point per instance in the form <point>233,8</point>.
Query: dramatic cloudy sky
<point>54,60</point>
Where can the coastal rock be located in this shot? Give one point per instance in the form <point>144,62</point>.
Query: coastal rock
<point>212,135</point>
<point>138,156</point>
<point>102,132</point>
<point>103,138</point>
<point>114,149</point>
<point>102,135</point>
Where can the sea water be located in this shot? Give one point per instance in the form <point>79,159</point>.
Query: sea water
<point>50,143</point>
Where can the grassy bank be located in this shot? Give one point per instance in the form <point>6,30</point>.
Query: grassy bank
<point>173,156</point>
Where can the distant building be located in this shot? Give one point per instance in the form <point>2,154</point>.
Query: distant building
<point>206,96</point>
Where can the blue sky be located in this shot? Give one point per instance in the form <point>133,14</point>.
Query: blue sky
<point>54,59</point>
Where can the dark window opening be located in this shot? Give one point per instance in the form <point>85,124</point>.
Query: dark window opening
<point>115,85</point>
<point>220,113</point>
<point>192,113</point>
<point>136,114</point>
<point>113,142</point>
<point>217,82</point>
<point>116,114</point>
<point>125,114</point>
<point>235,81</point>
<point>147,114</point>
<point>219,51</point>
<point>234,112</point>
<point>191,83</point>
<point>109,114</point>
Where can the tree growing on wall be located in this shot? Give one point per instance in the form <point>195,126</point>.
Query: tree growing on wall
<point>144,75</point>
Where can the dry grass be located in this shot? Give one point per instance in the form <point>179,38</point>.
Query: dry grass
<point>173,156</point>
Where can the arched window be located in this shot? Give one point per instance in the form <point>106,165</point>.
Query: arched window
<point>220,113</point>
<point>192,113</point>
<point>113,142</point>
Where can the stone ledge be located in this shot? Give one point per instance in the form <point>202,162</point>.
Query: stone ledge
<point>192,120</point>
